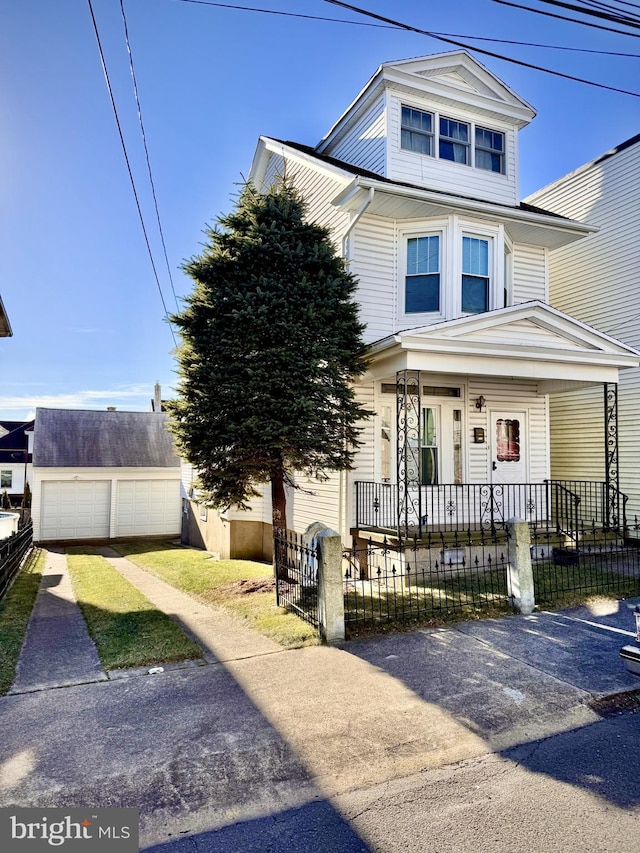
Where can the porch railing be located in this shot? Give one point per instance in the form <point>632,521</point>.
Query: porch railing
<point>562,504</point>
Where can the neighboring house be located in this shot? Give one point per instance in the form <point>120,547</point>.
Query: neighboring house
<point>598,280</point>
<point>5,325</point>
<point>418,182</point>
<point>104,475</point>
<point>16,448</point>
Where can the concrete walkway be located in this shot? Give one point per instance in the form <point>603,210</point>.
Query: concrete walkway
<point>58,651</point>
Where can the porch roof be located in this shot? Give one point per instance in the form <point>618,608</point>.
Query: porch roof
<point>531,340</point>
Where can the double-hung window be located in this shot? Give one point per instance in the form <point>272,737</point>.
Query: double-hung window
<point>416,131</point>
<point>6,479</point>
<point>489,150</point>
<point>422,281</point>
<point>475,275</point>
<point>454,141</point>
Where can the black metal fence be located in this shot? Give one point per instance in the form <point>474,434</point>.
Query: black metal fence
<point>595,561</point>
<point>12,551</point>
<point>428,579</point>
<point>296,568</point>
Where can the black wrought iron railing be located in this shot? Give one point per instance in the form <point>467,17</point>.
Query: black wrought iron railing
<point>559,504</point>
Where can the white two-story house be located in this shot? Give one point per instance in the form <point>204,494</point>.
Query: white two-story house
<point>418,182</point>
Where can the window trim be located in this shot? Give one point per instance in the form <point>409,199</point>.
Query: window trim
<point>501,154</point>
<point>438,229</point>
<point>471,146</point>
<point>466,146</point>
<point>451,231</point>
<point>430,136</point>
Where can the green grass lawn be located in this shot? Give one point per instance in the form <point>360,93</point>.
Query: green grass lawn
<point>127,629</point>
<point>15,610</point>
<point>220,582</point>
<point>560,586</point>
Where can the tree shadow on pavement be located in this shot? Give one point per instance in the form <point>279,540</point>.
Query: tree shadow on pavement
<point>312,828</point>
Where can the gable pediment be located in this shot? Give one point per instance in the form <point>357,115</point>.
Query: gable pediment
<point>458,76</point>
<point>530,330</point>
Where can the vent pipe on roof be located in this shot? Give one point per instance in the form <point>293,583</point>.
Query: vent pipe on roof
<point>111,408</point>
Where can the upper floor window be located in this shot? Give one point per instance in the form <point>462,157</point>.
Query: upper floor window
<point>417,131</point>
<point>462,142</point>
<point>422,283</point>
<point>489,151</point>
<point>475,275</point>
<point>454,141</point>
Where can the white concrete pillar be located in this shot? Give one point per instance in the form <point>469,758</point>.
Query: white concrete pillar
<point>519,572</point>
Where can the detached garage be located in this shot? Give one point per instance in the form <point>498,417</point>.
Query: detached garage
<point>104,475</point>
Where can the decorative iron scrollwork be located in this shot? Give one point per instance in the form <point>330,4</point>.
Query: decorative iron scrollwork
<point>408,412</point>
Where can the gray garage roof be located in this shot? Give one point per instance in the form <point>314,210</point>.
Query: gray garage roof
<point>69,438</point>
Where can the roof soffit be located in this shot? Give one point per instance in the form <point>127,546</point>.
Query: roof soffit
<point>403,204</point>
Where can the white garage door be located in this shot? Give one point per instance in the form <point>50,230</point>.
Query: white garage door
<point>148,508</point>
<point>75,509</point>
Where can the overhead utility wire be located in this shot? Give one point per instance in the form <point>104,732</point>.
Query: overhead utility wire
<point>395,27</point>
<point>410,28</point>
<point>597,4</point>
<point>617,17</point>
<point>146,151</point>
<point>565,18</point>
<point>126,157</point>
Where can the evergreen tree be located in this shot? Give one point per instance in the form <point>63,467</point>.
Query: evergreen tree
<point>271,342</point>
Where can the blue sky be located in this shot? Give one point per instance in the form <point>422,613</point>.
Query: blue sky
<point>75,274</point>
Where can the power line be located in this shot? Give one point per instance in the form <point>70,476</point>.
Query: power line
<point>457,43</point>
<point>146,151</point>
<point>565,18</point>
<point>597,10</point>
<point>126,157</point>
<point>235,7</point>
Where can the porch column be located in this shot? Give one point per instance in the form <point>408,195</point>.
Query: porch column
<point>408,453</point>
<point>614,511</point>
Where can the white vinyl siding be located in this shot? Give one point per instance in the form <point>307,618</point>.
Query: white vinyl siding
<point>577,435</point>
<point>529,270</point>
<point>364,143</point>
<point>148,508</point>
<point>75,509</point>
<point>319,501</point>
<point>318,190</point>
<point>374,265</point>
<point>597,280</point>
<point>505,396</point>
<point>440,174</point>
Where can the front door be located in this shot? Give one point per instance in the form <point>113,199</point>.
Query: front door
<point>508,447</point>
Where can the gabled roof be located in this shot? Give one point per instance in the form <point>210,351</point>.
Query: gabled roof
<point>446,78</point>
<point>71,438</point>
<point>5,325</point>
<point>14,441</point>
<point>530,340</point>
<point>401,200</point>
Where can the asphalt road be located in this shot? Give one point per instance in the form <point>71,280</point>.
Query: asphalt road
<point>578,791</point>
